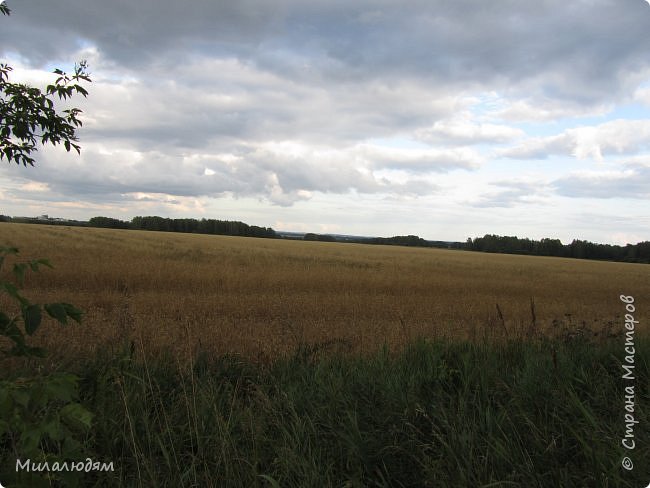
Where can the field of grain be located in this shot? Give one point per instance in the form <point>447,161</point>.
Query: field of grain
<point>261,297</point>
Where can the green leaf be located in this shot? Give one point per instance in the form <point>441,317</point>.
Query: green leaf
<point>36,263</point>
<point>54,429</point>
<point>57,312</point>
<point>19,272</point>
<point>62,387</point>
<point>5,251</point>
<point>12,291</point>
<point>76,415</point>
<point>29,440</point>
<point>8,250</point>
<point>12,331</point>
<point>21,397</point>
<point>61,311</point>
<point>73,312</point>
<point>32,317</point>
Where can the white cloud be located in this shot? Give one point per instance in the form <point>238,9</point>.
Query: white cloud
<point>34,186</point>
<point>513,193</point>
<point>546,110</point>
<point>625,238</point>
<point>642,95</point>
<point>610,138</point>
<point>631,182</point>
<point>419,160</point>
<point>279,172</point>
<point>462,130</point>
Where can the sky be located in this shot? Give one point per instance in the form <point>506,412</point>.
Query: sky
<point>444,119</point>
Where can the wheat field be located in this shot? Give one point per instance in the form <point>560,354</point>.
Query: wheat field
<point>263,297</point>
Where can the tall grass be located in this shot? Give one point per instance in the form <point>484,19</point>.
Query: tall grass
<point>443,414</point>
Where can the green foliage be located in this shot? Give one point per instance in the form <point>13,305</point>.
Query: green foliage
<point>40,418</point>
<point>28,115</point>
<point>30,314</point>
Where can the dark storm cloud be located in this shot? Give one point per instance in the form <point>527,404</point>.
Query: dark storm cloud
<point>134,33</point>
<point>580,51</point>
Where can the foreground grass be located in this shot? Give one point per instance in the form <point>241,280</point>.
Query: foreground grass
<point>438,413</point>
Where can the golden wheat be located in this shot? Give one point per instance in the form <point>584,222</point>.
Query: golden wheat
<point>262,297</point>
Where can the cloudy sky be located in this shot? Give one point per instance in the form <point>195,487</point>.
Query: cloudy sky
<point>446,119</point>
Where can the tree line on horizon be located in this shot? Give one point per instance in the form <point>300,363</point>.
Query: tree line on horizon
<point>580,249</point>
<point>193,226</point>
<point>491,243</point>
<point>203,226</point>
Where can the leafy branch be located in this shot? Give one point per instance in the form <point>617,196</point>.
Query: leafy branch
<point>40,417</point>
<point>31,314</point>
<point>27,114</point>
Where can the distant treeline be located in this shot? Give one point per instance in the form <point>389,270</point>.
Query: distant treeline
<point>635,253</point>
<point>319,237</point>
<point>193,226</point>
<point>39,220</point>
<point>203,226</point>
<point>410,240</point>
